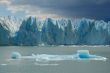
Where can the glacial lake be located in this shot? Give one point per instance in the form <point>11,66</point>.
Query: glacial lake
<point>70,66</point>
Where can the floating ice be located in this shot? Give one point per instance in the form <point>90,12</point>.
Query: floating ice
<point>3,64</point>
<point>84,55</point>
<point>15,55</point>
<point>80,55</point>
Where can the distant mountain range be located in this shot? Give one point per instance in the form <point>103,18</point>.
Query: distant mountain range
<point>51,31</point>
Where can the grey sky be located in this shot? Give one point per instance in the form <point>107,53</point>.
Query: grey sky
<point>97,9</point>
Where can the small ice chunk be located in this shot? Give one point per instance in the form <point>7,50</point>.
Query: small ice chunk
<point>3,64</point>
<point>15,55</point>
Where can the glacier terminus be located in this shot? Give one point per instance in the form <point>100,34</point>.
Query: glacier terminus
<point>53,31</point>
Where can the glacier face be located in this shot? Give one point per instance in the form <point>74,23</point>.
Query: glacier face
<point>51,31</point>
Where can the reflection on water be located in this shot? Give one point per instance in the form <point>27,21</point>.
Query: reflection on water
<point>68,66</point>
<point>46,64</point>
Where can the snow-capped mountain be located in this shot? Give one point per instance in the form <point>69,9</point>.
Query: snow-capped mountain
<point>61,31</point>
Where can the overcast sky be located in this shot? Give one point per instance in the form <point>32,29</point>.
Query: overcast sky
<point>96,9</point>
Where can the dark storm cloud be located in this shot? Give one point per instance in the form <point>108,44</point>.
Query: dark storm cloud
<point>98,9</point>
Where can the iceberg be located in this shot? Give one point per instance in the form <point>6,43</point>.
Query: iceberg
<point>84,55</point>
<point>80,55</point>
<point>15,55</point>
<point>53,31</point>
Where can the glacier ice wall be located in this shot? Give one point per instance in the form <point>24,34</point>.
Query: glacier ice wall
<point>50,31</point>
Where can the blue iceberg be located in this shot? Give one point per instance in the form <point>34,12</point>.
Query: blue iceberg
<point>84,55</point>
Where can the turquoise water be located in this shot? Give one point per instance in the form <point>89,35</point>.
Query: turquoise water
<point>31,66</point>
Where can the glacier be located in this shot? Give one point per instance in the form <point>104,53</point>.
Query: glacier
<point>35,31</point>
